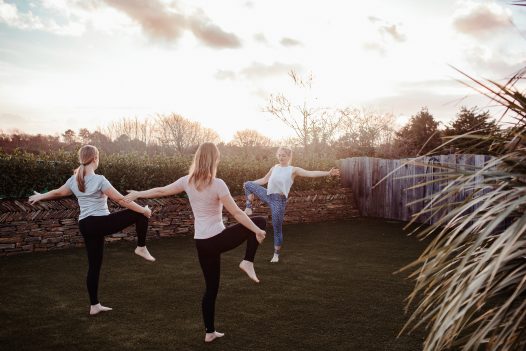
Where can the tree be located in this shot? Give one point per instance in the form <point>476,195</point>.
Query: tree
<point>84,135</point>
<point>101,141</point>
<point>364,131</point>
<point>250,138</point>
<point>312,125</point>
<point>419,136</point>
<point>471,123</point>
<point>182,134</point>
<point>69,136</point>
<point>134,128</point>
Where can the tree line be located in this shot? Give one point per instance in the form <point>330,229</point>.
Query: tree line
<point>353,132</point>
<point>335,132</point>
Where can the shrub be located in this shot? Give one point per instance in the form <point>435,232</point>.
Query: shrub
<point>23,172</point>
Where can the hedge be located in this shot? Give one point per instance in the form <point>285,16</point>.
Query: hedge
<point>22,173</point>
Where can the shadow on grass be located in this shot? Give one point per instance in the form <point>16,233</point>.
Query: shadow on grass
<point>334,289</point>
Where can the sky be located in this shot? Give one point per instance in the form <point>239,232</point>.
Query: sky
<point>71,64</point>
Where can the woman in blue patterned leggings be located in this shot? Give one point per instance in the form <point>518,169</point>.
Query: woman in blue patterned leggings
<point>279,179</point>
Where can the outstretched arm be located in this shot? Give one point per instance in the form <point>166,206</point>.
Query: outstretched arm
<point>264,180</point>
<point>63,191</point>
<point>170,189</point>
<point>116,196</point>
<point>300,172</point>
<point>239,215</point>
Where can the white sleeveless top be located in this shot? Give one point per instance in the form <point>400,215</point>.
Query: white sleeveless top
<point>280,180</point>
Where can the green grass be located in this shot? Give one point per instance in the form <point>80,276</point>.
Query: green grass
<point>334,290</point>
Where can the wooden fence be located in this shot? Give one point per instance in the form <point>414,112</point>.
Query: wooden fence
<point>390,198</point>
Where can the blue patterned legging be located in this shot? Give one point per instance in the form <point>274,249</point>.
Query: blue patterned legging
<point>277,204</point>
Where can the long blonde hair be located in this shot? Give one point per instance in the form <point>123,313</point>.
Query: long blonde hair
<point>87,154</point>
<point>204,167</point>
<point>287,151</point>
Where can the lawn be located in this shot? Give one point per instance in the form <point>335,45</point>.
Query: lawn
<point>333,290</point>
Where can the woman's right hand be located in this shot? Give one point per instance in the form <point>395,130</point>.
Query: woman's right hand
<point>132,196</point>
<point>147,211</point>
<point>260,235</point>
<point>36,197</point>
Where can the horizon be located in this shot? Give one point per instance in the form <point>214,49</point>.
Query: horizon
<point>67,62</point>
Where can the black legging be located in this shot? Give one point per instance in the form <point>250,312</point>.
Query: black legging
<point>209,253</point>
<point>94,228</point>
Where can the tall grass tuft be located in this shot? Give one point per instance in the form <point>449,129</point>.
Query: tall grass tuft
<point>470,290</point>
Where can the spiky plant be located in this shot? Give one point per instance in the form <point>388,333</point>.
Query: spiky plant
<point>470,290</point>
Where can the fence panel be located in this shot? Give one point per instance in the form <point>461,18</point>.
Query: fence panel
<point>390,198</point>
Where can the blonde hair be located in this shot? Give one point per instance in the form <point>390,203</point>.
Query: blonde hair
<point>87,154</point>
<point>287,150</point>
<point>204,166</point>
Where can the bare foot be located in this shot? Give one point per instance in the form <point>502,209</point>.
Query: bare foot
<point>96,309</point>
<point>209,337</point>
<point>143,252</point>
<point>248,268</point>
<point>261,236</point>
<point>275,258</point>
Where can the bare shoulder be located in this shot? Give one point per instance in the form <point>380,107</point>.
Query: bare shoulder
<point>296,170</point>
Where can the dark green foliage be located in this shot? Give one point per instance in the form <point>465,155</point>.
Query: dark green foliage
<point>476,131</point>
<point>21,173</point>
<point>419,136</point>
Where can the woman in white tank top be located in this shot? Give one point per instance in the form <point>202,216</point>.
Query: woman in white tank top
<point>279,179</point>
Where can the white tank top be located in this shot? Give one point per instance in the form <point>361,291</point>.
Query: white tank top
<point>280,180</point>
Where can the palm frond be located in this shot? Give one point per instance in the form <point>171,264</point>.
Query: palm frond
<point>470,282</point>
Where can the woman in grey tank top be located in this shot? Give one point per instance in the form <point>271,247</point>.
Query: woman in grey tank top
<point>95,220</point>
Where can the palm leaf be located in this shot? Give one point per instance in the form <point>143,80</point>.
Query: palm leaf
<point>470,282</point>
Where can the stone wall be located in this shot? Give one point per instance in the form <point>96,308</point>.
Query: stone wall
<point>53,225</point>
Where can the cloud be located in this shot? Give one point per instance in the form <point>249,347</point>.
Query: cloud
<point>432,84</point>
<point>10,118</point>
<point>260,37</point>
<point>225,74</point>
<point>257,71</point>
<point>498,64</point>
<point>375,47</point>
<point>386,28</point>
<point>387,33</point>
<point>442,106</point>
<point>159,21</point>
<point>211,34</point>
<point>156,20</point>
<point>11,16</point>
<point>478,18</point>
<point>394,32</point>
<point>290,42</point>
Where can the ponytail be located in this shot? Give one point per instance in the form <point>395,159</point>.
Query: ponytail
<point>87,155</point>
<point>79,172</point>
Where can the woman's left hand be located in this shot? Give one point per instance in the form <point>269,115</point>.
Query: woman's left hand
<point>334,172</point>
<point>132,196</point>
